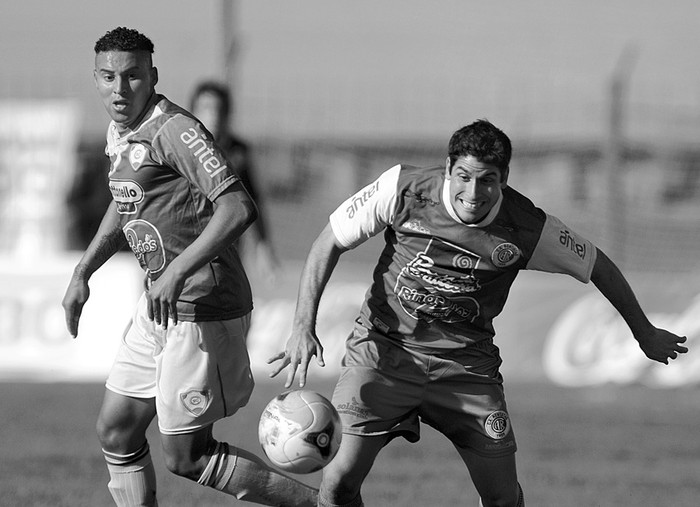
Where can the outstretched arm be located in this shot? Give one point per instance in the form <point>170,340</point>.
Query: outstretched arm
<point>658,344</point>
<point>108,240</point>
<point>303,343</point>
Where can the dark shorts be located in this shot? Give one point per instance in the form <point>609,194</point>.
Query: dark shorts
<point>387,389</point>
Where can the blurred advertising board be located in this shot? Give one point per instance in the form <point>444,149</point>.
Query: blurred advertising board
<point>34,342</point>
<point>38,150</point>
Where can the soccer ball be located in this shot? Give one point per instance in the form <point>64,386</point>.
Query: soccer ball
<point>300,431</point>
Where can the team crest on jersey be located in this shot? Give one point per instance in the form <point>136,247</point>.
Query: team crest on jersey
<point>505,254</point>
<point>146,243</point>
<point>497,424</point>
<point>434,285</point>
<point>196,401</point>
<point>137,154</point>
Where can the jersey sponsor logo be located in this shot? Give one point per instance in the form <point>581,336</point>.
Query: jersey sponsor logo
<point>126,194</point>
<point>360,199</point>
<point>415,225</point>
<point>137,154</point>
<point>201,148</point>
<point>146,243</point>
<point>568,240</point>
<point>430,291</point>
<point>196,401</point>
<point>353,408</point>
<point>497,424</point>
<point>505,255</point>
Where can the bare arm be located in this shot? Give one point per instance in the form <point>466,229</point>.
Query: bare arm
<point>234,211</point>
<point>658,344</point>
<point>108,240</point>
<point>303,343</point>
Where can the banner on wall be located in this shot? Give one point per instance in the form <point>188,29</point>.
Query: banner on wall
<point>547,332</point>
<point>590,344</point>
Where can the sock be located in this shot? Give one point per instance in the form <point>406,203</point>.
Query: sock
<point>521,498</point>
<point>132,478</point>
<point>323,501</point>
<point>243,475</point>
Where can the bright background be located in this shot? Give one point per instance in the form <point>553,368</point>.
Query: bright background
<point>601,100</point>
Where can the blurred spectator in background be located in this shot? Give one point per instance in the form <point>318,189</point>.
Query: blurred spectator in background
<point>88,196</point>
<point>211,102</point>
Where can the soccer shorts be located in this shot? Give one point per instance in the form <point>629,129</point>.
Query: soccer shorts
<point>198,372</point>
<point>387,389</point>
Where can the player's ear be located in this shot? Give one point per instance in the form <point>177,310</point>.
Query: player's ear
<point>448,168</point>
<point>154,75</point>
<point>504,176</point>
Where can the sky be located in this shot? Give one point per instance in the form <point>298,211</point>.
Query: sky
<point>371,69</point>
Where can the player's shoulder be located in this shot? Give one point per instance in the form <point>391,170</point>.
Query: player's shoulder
<point>172,116</point>
<point>419,176</point>
<point>518,204</point>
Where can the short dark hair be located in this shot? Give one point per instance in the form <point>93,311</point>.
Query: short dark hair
<point>220,90</point>
<point>482,140</point>
<point>123,39</point>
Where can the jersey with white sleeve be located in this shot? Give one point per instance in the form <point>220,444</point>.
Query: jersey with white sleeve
<point>439,282</point>
<point>164,176</point>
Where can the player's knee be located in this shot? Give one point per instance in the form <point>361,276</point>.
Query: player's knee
<point>111,436</point>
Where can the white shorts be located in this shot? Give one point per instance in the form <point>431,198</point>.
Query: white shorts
<point>198,372</point>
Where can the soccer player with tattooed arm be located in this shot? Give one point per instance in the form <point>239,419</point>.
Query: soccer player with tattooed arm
<point>180,206</point>
<point>422,348</point>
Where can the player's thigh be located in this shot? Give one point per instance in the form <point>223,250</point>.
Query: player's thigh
<point>203,374</point>
<point>123,421</point>
<point>354,460</point>
<point>495,478</point>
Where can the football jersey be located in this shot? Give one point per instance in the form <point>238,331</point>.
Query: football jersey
<point>164,177</point>
<point>439,282</point>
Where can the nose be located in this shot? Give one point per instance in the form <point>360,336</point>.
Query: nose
<point>120,85</point>
<point>471,187</point>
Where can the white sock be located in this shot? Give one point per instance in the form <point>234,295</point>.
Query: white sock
<point>132,478</point>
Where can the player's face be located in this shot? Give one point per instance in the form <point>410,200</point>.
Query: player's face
<point>475,187</point>
<point>207,108</point>
<point>125,81</point>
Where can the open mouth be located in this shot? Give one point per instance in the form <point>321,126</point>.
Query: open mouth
<point>470,206</point>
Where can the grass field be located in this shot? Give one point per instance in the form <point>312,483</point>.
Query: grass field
<point>611,446</point>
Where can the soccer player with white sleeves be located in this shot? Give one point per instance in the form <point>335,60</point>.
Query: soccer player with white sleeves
<point>422,348</point>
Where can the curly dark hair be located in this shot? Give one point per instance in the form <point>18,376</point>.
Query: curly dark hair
<point>482,140</point>
<point>123,39</point>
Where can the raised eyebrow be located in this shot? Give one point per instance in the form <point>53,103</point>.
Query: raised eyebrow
<point>488,174</point>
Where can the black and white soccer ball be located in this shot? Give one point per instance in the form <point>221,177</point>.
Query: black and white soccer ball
<point>300,431</point>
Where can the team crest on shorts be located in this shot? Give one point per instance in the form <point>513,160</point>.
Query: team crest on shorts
<point>497,424</point>
<point>504,255</point>
<point>196,401</point>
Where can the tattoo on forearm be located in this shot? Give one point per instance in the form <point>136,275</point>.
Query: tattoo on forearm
<point>108,244</point>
